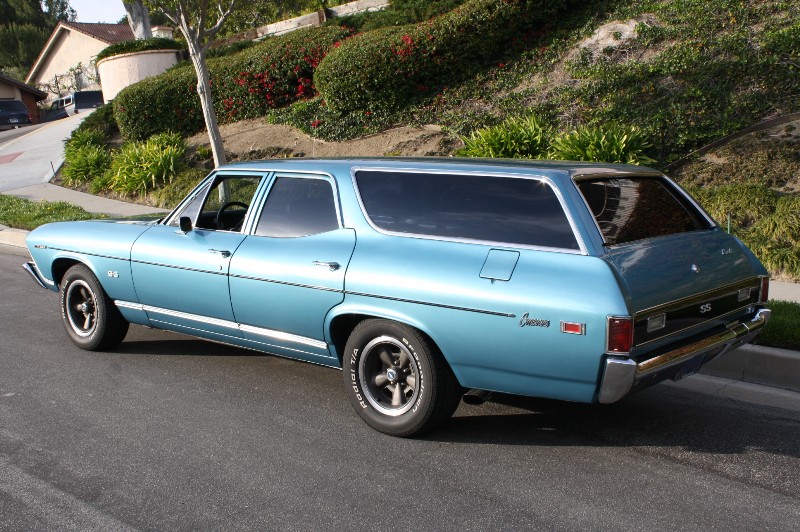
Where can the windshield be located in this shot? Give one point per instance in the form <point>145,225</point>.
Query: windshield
<point>639,207</point>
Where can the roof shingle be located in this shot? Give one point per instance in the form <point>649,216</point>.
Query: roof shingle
<point>108,33</point>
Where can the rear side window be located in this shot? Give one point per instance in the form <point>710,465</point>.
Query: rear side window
<point>638,208</point>
<point>298,207</point>
<point>471,207</point>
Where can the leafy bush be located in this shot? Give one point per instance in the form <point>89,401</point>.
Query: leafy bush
<point>244,85</point>
<point>85,163</point>
<point>142,166</point>
<point>782,330</point>
<point>746,204</point>
<point>127,47</point>
<point>515,138</point>
<point>398,13</point>
<point>101,120</point>
<point>609,143</point>
<point>85,157</point>
<point>390,68</point>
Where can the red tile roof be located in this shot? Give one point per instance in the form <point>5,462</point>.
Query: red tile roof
<point>108,33</point>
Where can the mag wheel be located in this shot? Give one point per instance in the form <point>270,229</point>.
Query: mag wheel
<point>90,318</point>
<point>397,380</point>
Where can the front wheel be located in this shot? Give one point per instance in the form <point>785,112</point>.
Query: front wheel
<point>397,380</point>
<point>91,319</point>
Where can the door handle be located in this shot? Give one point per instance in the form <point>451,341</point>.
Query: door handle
<point>332,266</point>
<point>223,252</point>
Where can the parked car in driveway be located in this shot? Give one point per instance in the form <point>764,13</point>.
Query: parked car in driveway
<point>423,279</point>
<point>13,114</point>
<point>74,103</point>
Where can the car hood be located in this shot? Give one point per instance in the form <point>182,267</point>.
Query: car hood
<point>111,238</point>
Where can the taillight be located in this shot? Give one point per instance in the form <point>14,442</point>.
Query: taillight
<point>763,295</point>
<point>620,334</point>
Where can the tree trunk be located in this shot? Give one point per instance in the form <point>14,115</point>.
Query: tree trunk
<point>204,91</point>
<point>138,19</point>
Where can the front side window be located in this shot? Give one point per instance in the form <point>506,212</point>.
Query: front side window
<point>637,208</point>
<point>298,207</point>
<point>472,207</point>
<point>222,206</point>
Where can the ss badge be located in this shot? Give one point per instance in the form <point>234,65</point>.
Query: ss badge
<point>113,274</point>
<point>705,308</point>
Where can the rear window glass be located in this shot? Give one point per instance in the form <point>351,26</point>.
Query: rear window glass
<point>638,208</point>
<point>12,106</point>
<point>471,207</point>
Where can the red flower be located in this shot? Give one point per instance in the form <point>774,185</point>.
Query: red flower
<point>315,124</point>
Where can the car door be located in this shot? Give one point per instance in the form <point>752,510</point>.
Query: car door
<point>181,277</point>
<point>289,273</point>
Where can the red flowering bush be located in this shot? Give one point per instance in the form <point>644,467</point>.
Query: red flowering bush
<point>243,85</point>
<point>391,67</point>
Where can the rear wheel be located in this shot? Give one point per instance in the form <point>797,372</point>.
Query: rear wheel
<point>91,319</point>
<point>397,380</point>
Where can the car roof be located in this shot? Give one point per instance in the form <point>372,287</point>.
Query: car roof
<point>442,164</point>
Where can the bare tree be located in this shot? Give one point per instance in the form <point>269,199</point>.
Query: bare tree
<point>196,21</point>
<point>138,18</point>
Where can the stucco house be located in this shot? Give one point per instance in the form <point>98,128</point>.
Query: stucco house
<point>11,88</point>
<point>66,63</point>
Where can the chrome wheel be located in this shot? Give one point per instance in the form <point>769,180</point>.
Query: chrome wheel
<point>389,373</point>
<point>81,308</point>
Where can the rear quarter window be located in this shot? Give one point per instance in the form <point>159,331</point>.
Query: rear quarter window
<point>495,209</point>
<point>637,208</point>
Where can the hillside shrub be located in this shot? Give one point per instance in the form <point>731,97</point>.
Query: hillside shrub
<point>141,45</point>
<point>101,120</point>
<point>390,68</point>
<point>85,163</point>
<point>525,137</point>
<point>85,157</point>
<point>244,85</point>
<point>139,167</point>
<point>610,143</point>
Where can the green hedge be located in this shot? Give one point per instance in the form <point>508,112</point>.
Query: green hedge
<point>127,47</point>
<point>243,85</point>
<point>392,67</point>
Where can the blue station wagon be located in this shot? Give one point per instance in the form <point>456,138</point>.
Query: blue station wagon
<point>424,279</point>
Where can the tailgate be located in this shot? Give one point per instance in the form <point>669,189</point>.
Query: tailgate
<point>682,281</point>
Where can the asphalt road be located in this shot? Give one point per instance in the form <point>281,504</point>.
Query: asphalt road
<point>167,432</point>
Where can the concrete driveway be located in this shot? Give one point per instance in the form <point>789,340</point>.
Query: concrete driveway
<point>33,157</point>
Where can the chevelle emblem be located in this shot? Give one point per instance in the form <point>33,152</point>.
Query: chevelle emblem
<point>533,322</point>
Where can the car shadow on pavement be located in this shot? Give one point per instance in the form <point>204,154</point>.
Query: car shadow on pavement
<point>660,417</point>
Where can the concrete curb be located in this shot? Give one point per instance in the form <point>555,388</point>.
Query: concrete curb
<point>779,368</point>
<point>12,237</point>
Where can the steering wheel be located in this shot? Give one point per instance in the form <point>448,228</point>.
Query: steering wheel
<point>219,220</point>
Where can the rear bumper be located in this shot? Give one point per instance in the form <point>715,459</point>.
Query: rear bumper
<point>623,375</point>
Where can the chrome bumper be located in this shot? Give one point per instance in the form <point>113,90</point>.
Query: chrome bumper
<point>31,268</point>
<point>621,375</point>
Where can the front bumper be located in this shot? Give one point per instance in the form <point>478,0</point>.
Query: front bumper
<point>31,268</point>
<point>622,375</point>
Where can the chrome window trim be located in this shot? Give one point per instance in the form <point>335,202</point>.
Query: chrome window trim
<point>225,324</point>
<point>297,174</point>
<point>509,175</point>
<point>578,176</point>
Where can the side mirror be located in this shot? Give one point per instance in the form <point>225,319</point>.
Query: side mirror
<point>185,224</point>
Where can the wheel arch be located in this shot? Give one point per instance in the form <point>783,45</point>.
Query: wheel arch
<point>341,322</point>
<point>60,266</point>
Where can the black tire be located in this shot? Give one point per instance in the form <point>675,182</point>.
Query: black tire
<point>397,380</point>
<point>91,319</point>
